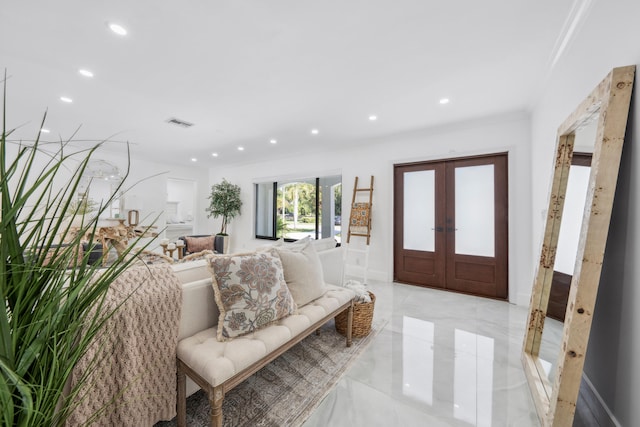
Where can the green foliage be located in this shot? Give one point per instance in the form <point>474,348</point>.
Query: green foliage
<point>225,202</point>
<point>51,293</point>
<point>281,227</point>
<point>300,194</point>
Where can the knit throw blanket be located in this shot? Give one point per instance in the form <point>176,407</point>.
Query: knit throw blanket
<point>132,383</point>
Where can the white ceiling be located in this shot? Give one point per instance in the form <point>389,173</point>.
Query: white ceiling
<point>247,71</point>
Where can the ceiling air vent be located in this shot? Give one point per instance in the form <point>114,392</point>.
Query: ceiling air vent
<point>179,122</point>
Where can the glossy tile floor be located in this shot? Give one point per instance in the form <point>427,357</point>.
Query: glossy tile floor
<point>441,359</point>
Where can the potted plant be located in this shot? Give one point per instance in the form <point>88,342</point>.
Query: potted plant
<point>224,201</point>
<point>51,295</point>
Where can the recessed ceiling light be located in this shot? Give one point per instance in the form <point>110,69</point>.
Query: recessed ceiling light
<point>373,118</point>
<point>273,141</point>
<point>193,159</point>
<point>118,29</point>
<point>240,148</point>
<point>43,130</point>
<point>214,154</point>
<point>85,72</point>
<point>66,99</point>
<point>444,101</point>
<point>315,131</point>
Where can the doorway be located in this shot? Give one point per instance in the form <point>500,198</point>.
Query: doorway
<point>451,225</point>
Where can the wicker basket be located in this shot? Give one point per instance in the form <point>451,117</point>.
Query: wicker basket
<point>362,316</point>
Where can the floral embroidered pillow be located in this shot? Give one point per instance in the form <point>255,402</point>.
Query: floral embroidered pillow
<point>250,292</point>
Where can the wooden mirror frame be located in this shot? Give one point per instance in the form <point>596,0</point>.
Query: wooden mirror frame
<point>609,102</point>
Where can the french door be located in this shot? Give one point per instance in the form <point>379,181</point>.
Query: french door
<point>451,225</point>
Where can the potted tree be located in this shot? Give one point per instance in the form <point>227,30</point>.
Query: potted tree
<point>224,201</point>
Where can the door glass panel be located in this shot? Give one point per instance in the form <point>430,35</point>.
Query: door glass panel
<point>419,210</point>
<point>474,216</point>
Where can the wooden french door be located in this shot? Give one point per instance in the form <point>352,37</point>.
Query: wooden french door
<point>451,225</point>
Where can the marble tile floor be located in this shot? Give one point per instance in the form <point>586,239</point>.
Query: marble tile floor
<point>441,359</point>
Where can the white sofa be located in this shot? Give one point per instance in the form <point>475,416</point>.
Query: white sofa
<point>217,366</point>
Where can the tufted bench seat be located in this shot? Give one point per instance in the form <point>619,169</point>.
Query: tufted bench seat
<point>218,366</point>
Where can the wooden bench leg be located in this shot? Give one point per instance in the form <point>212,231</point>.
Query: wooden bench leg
<point>349,324</point>
<point>216,396</point>
<point>181,396</point>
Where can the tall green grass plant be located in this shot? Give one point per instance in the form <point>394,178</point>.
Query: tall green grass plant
<point>52,295</point>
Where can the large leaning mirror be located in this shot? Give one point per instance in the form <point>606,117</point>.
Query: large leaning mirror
<point>555,344</point>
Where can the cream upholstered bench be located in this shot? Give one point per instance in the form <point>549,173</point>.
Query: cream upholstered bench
<point>217,366</point>
<point>289,279</point>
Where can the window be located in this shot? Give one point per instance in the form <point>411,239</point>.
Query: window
<point>297,208</point>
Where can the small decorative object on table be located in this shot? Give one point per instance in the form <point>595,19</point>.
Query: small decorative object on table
<point>169,248</point>
<point>364,303</point>
<point>180,246</point>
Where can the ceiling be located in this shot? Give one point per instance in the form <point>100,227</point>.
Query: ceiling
<point>246,72</point>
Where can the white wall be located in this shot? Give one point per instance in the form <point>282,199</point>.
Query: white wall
<point>148,181</point>
<point>608,38</point>
<point>184,192</point>
<point>505,133</point>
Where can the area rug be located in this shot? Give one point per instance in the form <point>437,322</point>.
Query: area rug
<point>285,392</point>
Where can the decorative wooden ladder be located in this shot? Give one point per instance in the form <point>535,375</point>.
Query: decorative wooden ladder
<point>360,223</point>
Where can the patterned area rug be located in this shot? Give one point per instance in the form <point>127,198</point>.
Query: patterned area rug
<point>285,392</point>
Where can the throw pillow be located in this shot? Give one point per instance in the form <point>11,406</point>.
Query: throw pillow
<point>199,244</point>
<point>270,246</point>
<point>324,244</point>
<point>302,272</point>
<point>300,242</point>
<point>250,292</point>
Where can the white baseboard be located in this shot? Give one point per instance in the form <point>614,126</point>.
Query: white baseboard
<point>523,299</point>
<point>595,405</point>
<point>357,273</point>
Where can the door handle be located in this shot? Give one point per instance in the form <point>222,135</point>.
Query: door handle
<point>451,229</point>
<point>438,229</point>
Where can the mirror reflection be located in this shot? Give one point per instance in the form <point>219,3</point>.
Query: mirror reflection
<point>568,239</point>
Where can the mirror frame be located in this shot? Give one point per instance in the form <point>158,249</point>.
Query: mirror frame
<point>609,102</point>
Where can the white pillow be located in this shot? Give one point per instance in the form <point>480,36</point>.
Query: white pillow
<point>302,272</point>
<point>297,243</point>
<point>270,246</point>
<point>324,244</point>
